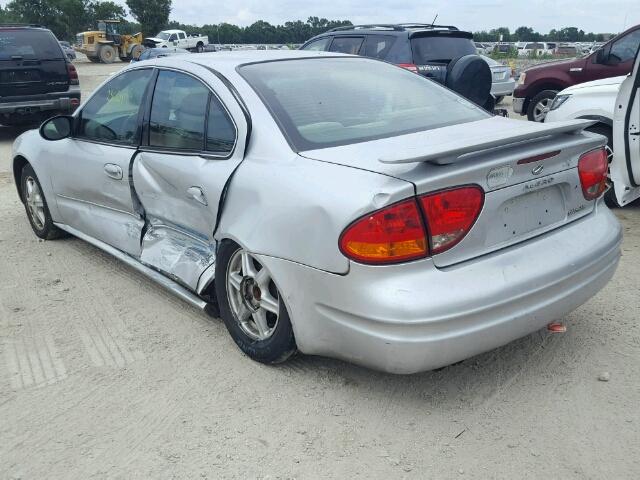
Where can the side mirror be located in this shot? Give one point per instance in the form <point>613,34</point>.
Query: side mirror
<point>57,128</point>
<point>600,56</point>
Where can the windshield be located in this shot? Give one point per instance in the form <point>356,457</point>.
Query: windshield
<point>326,102</point>
<point>163,35</point>
<point>440,48</point>
<point>29,44</point>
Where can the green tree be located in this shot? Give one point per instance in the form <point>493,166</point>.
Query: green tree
<point>104,11</point>
<point>64,17</point>
<point>153,15</point>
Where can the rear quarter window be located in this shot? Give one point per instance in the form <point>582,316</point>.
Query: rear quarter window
<point>29,44</point>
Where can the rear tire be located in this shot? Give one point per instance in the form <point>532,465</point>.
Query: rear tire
<point>136,51</point>
<point>107,54</point>
<point>36,206</point>
<point>610,195</point>
<point>539,105</point>
<point>200,47</point>
<point>251,306</point>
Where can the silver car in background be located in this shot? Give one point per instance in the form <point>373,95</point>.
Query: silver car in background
<point>502,81</point>
<point>331,204</point>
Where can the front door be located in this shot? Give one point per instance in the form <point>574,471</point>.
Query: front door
<point>625,167</point>
<point>91,170</point>
<point>196,140</point>
<point>617,59</point>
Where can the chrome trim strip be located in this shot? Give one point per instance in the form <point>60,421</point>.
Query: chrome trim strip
<point>157,277</point>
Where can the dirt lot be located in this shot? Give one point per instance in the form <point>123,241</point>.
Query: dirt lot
<point>103,375</point>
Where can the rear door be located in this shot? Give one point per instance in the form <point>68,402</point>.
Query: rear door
<point>195,141</point>
<point>625,167</point>
<point>31,62</point>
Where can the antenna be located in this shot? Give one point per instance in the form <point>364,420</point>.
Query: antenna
<point>434,20</point>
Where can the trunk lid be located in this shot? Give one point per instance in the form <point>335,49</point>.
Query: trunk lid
<point>528,172</point>
<point>31,63</point>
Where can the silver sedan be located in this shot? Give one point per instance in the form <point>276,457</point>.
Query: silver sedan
<point>328,204</point>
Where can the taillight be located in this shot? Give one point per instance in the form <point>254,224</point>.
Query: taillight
<point>398,233</point>
<point>73,74</point>
<point>592,168</point>
<point>450,214</point>
<point>409,66</point>
<point>391,235</point>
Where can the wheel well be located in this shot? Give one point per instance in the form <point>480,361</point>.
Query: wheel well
<point>540,88</point>
<point>18,164</point>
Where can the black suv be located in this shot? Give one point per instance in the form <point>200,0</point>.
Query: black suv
<point>440,52</point>
<point>36,79</point>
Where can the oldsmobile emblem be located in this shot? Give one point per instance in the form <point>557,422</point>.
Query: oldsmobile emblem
<point>538,170</point>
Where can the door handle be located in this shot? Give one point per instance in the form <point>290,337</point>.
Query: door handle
<point>197,194</point>
<point>113,171</point>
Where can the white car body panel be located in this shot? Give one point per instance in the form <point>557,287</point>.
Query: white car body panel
<point>625,167</point>
<point>590,100</point>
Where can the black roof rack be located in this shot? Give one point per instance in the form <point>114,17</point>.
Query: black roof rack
<point>428,25</point>
<point>397,27</point>
<point>373,26</point>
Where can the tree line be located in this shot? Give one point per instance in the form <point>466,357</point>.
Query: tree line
<point>68,17</point>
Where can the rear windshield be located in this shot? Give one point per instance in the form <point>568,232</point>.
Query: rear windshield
<point>326,102</point>
<point>440,48</point>
<point>29,44</point>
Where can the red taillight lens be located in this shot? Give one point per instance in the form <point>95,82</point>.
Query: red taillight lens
<point>592,168</point>
<point>409,66</point>
<point>450,214</point>
<point>391,235</point>
<point>73,74</point>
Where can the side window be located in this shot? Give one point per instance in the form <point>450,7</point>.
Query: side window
<point>173,37</point>
<point>377,46</point>
<point>112,113</point>
<point>178,112</point>
<point>346,45</point>
<point>221,133</point>
<point>182,36</point>
<point>319,45</point>
<point>626,48</point>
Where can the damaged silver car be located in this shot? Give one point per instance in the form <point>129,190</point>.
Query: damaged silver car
<point>331,204</point>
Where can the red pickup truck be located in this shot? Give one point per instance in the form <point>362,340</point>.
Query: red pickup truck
<point>538,85</point>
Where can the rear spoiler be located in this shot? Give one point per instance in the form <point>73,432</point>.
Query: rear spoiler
<point>457,142</point>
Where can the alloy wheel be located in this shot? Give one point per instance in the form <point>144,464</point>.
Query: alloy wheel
<point>35,203</point>
<point>541,109</point>
<point>253,297</point>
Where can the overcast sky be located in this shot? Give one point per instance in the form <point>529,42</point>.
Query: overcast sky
<point>597,16</point>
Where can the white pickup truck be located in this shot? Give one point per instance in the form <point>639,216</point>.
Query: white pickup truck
<point>177,38</point>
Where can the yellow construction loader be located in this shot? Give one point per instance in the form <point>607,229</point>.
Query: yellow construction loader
<point>105,44</point>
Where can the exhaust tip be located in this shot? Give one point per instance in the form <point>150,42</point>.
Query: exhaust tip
<point>557,327</point>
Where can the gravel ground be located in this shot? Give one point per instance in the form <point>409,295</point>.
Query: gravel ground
<point>104,375</point>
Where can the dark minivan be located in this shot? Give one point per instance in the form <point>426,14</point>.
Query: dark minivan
<point>37,80</point>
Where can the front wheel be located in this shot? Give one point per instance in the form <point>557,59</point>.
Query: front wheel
<point>200,48</point>
<point>36,206</point>
<point>252,307</point>
<point>540,104</point>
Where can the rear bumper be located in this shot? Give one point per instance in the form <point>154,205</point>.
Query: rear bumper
<point>415,317</point>
<point>501,89</point>
<point>65,102</point>
<point>518,105</point>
